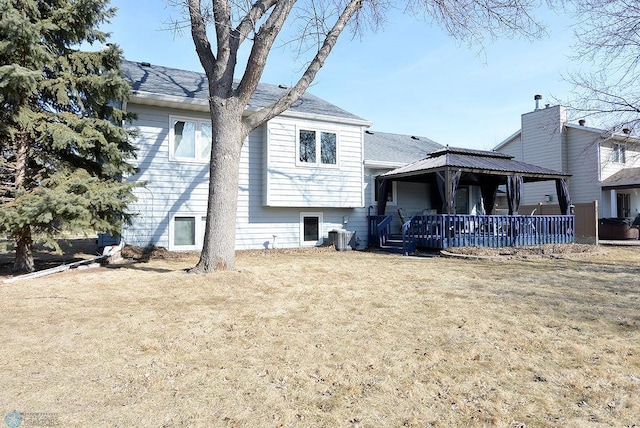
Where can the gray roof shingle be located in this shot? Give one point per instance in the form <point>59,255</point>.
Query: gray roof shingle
<point>385,147</point>
<point>165,81</point>
<point>624,177</point>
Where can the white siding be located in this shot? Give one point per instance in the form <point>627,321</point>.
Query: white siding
<point>171,186</point>
<point>608,166</point>
<point>582,148</point>
<point>178,187</point>
<point>311,186</point>
<point>542,134</point>
<point>513,148</point>
<point>543,144</point>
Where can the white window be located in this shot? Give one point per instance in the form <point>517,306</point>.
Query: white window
<point>391,193</point>
<point>317,147</point>
<point>311,229</point>
<point>186,231</point>
<point>189,140</point>
<point>619,153</point>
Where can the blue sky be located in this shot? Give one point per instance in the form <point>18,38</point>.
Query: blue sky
<point>407,78</point>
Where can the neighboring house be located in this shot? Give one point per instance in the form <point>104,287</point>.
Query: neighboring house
<point>604,166</point>
<point>303,174</point>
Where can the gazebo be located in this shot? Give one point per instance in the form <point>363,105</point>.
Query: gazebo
<point>444,171</point>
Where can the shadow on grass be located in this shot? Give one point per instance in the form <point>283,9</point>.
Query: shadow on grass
<point>135,265</point>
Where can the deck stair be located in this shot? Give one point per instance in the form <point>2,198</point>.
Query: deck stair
<point>393,244</point>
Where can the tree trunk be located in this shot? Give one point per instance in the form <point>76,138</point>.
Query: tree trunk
<point>24,251</point>
<point>24,242</point>
<point>218,250</point>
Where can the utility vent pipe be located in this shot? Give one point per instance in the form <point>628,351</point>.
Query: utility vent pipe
<point>537,99</point>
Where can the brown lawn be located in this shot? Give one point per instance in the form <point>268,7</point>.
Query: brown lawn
<point>322,338</point>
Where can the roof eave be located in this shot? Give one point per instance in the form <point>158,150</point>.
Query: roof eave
<point>383,164</point>
<point>325,118</point>
<point>507,140</point>
<point>198,104</point>
<point>526,175</point>
<point>183,103</point>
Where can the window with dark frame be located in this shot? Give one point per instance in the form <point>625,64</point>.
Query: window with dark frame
<point>311,229</point>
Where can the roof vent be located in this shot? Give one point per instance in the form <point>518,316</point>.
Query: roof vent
<point>283,87</point>
<point>145,64</point>
<point>413,137</point>
<point>537,99</point>
<point>626,131</point>
<point>368,132</point>
<point>581,122</point>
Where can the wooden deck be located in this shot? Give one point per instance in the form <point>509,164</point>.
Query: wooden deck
<point>440,231</point>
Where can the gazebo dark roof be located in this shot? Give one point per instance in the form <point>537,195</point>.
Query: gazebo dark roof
<point>472,162</point>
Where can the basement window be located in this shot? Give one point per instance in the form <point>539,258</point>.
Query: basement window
<point>310,229</point>
<point>186,232</point>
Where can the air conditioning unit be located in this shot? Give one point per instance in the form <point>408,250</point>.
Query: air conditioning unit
<point>343,240</point>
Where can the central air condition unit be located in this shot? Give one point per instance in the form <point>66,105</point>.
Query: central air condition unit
<point>343,240</point>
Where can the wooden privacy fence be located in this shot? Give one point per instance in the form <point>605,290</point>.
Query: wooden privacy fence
<point>586,218</point>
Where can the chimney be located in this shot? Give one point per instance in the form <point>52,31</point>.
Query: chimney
<point>537,99</point>
<point>581,122</point>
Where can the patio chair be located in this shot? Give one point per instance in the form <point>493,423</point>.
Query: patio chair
<point>403,217</point>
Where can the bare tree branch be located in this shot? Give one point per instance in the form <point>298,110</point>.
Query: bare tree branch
<point>608,35</point>
<point>261,47</point>
<point>250,20</point>
<point>200,39</point>
<point>268,112</point>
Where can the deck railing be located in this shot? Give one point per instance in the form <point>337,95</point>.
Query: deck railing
<point>380,227</point>
<point>459,230</point>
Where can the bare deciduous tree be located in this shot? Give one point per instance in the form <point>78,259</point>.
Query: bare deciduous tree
<point>320,23</point>
<point>608,37</point>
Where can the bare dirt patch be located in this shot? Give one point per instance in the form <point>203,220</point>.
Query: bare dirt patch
<point>326,338</point>
<point>527,251</point>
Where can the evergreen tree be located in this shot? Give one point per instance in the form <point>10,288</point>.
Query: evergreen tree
<point>62,151</point>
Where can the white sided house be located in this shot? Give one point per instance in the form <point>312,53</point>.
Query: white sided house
<point>303,174</point>
<point>604,166</point>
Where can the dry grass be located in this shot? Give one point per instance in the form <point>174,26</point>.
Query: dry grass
<point>321,338</point>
